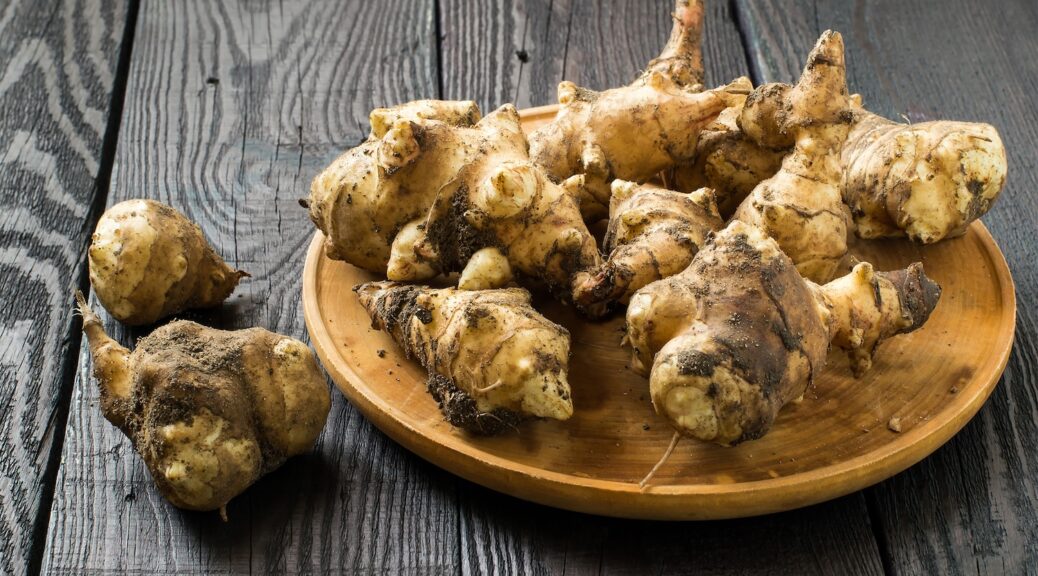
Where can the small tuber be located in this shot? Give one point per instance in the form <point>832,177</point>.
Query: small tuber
<point>209,411</point>
<point>148,261</point>
<point>653,233</point>
<point>492,359</point>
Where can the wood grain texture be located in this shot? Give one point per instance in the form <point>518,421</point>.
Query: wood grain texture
<point>601,45</point>
<point>58,61</point>
<point>231,108</point>
<point>970,508</point>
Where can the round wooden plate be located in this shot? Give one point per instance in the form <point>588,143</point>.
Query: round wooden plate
<point>836,441</point>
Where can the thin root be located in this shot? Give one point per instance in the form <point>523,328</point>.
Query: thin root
<point>486,389</point>
<point>670,450</point>
<point>223,513</point>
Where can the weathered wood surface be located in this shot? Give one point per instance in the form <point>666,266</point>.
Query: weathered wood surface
<point>58,61</point>
<point>971,507</point>
<point>231,109</point>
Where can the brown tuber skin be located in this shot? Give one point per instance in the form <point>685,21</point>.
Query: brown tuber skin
<point>148,261</point>
<point>492,359</point>
<point>653,233</point>
<point>209,411</point>
<point>739,334</point>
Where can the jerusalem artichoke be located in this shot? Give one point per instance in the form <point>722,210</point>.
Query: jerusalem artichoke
<point>492,359</point>
<point>148,261</point>
<point>739,333</point>
<point>653,233</point>
<point>424,196</point>
<point>209,411</point>
<point>632,132</point>
<point>800,206</point>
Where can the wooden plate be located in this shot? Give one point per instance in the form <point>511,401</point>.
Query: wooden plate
<point>834,442</point>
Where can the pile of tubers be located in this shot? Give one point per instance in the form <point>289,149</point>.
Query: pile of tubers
<point>729,214</point>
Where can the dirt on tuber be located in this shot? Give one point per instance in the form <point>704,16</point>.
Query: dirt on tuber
<point>209,411</point>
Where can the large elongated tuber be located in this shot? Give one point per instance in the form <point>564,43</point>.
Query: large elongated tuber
<point>423,196</point>
<point>739,333</point>
<point>800,206</point>
<point>653,233</point>
<point>492,359</point>
<point>635,131</point>
<point>209,411</point>
<point>148,261</point>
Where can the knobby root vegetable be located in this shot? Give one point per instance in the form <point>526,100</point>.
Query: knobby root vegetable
<point>653,233</point>
<point>739,333</point>
<point>209,411</point>
<point>492,359</point>
<point>425,196</point>
<point>148,261</point>
<point>727,160</point>
<point>636,131</point>
<point>800,206</point>
<point>927,181</point>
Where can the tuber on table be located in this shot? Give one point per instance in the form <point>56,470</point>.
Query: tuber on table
<point>209,411</point>
<point>739,333</point>
<point>800,206</point>
<point>148,261</point>
<point>653,233</point>
<point>492,359</point>
<point>425,196</point>
<point>927,181</point>
<point>635,131</point>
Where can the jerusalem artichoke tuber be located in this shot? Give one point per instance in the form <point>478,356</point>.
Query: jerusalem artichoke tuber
<point>739,333</point>
<point>209,411</point>
<point>423,196</point>
<point>636,131</point>
<point>800,206</point>
<point>148,261</point>
<point>653,233</point>
<point>492,359</point>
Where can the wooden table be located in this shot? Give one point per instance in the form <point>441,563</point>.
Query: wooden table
<point>226,110</point>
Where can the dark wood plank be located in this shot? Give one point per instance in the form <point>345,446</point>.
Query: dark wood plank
<point>58,68</point>
<point>231,109</point>
<point>971,508</point>
<point>603,45</point>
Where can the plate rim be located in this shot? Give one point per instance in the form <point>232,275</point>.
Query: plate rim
<point>671,501</point>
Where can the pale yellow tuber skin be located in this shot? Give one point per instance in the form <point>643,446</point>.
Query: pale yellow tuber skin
<point>739,334</point>
<point>425,196</point>
<point>209,411</point>
<point>800,206</point>
<point>653,233</point>
<point>148,261</point>
<point>635,131</point>
<point>927,181</point>
<point>492,359</point>
<point>727,160</point>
